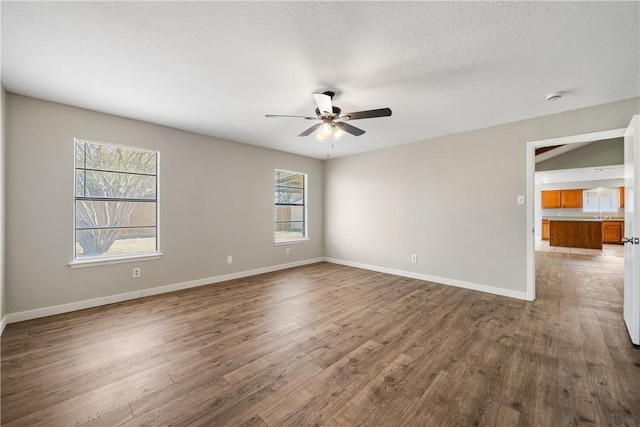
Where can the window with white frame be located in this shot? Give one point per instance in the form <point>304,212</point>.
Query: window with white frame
<point>290,206</point>
<point>600,200</point>
<point>116,201</point>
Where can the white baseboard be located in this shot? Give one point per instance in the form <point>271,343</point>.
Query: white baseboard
<point>72,306</point>
<point>95,302</point>
<point>225,277</point>
<point>428,278</point>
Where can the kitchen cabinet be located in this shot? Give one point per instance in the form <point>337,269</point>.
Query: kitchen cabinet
<point>612,231</point>
<point>545,229</point>
<point>564,199</point>
<point>571,199</point>
<point>579,233</point>
<point>621,196</point>
<point>551,199</point>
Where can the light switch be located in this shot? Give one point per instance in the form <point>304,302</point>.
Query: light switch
<point>520,199</point>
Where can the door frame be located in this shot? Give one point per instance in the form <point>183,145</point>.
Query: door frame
<point>531,182</point>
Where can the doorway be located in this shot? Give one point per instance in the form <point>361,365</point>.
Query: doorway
<point>530,170</point>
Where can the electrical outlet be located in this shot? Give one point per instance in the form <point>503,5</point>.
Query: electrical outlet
<point>229,259</point>
<point>414,258</point>
<point>136,272</point>
<point>287,251</point>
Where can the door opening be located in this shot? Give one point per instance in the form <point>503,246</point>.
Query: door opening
<point>531,169</point>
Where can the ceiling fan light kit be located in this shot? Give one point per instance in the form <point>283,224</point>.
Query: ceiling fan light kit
<point>325,130</point>
<point>333,121</point>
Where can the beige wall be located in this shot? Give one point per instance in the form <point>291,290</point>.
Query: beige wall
<point>599,153</point>
<point>216,200</point>
<point>449,200</point>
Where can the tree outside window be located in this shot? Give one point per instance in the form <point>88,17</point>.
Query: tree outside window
<point>116,200</point>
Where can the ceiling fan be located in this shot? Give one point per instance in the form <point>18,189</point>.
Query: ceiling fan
<point>332,117</point>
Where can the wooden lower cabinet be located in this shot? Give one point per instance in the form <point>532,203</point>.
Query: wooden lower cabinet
<point>612,231</point>
<point>576,234</point>
<point>545,229</point>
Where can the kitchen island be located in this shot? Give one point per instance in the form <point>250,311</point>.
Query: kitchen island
<point>575,232</point>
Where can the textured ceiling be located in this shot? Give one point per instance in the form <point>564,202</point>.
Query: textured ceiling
<point>217,68</point>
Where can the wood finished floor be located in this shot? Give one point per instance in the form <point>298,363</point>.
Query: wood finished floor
<point>331,345</point>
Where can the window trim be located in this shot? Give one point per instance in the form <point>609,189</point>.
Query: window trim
<point>599,192</point>
<point>94,262</point>
<point>305,205</point>
<point>115,259</point>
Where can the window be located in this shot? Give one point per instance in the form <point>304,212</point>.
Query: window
<point>291,214</point>
<point>600,200</point>
<point>116,201</point>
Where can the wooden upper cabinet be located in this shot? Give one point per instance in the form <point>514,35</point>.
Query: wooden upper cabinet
<point>568,199</point>
<point>551,199</point>
<point>571,199</point>
<point>621,196</point>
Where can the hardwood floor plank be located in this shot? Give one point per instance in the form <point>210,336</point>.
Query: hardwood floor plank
<point>192,388</point>
<point>289,352</point>
<point>380,401</point>
<point>157,408</point>
<point>253,395</point>
<point>327,398</point>
<point>91,406</point>
<point>254,421</point>
<point>53,389</point>
<point>497,415</point>
<point>232,359</point>
<point>287,406</point>
<point>112,417</point>
<point>351,371</point>
<point>326,344</point>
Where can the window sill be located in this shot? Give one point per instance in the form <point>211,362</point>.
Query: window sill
<point>291,241</point>
<point>95,262</point>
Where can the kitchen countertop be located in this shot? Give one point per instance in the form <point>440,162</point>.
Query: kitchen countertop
<point>581,218</point>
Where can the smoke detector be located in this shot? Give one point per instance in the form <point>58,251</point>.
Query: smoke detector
<point>554,96</point>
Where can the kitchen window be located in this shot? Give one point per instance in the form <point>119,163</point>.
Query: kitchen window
<point>600,200</point>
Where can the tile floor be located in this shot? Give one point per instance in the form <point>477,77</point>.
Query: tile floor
<point>607,250</point>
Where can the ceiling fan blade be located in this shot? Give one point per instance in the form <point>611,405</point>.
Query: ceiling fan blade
<point>311,130</point>
<point>349,129</point>
<point>369,114</point>
<point>324,103</point>
<point>298,117</point>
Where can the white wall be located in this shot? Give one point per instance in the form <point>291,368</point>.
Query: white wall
<point>216,200</point>
<point>450,200</point>
<point>3,111</point>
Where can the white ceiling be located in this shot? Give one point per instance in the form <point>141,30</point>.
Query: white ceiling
<point>217,68</point>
